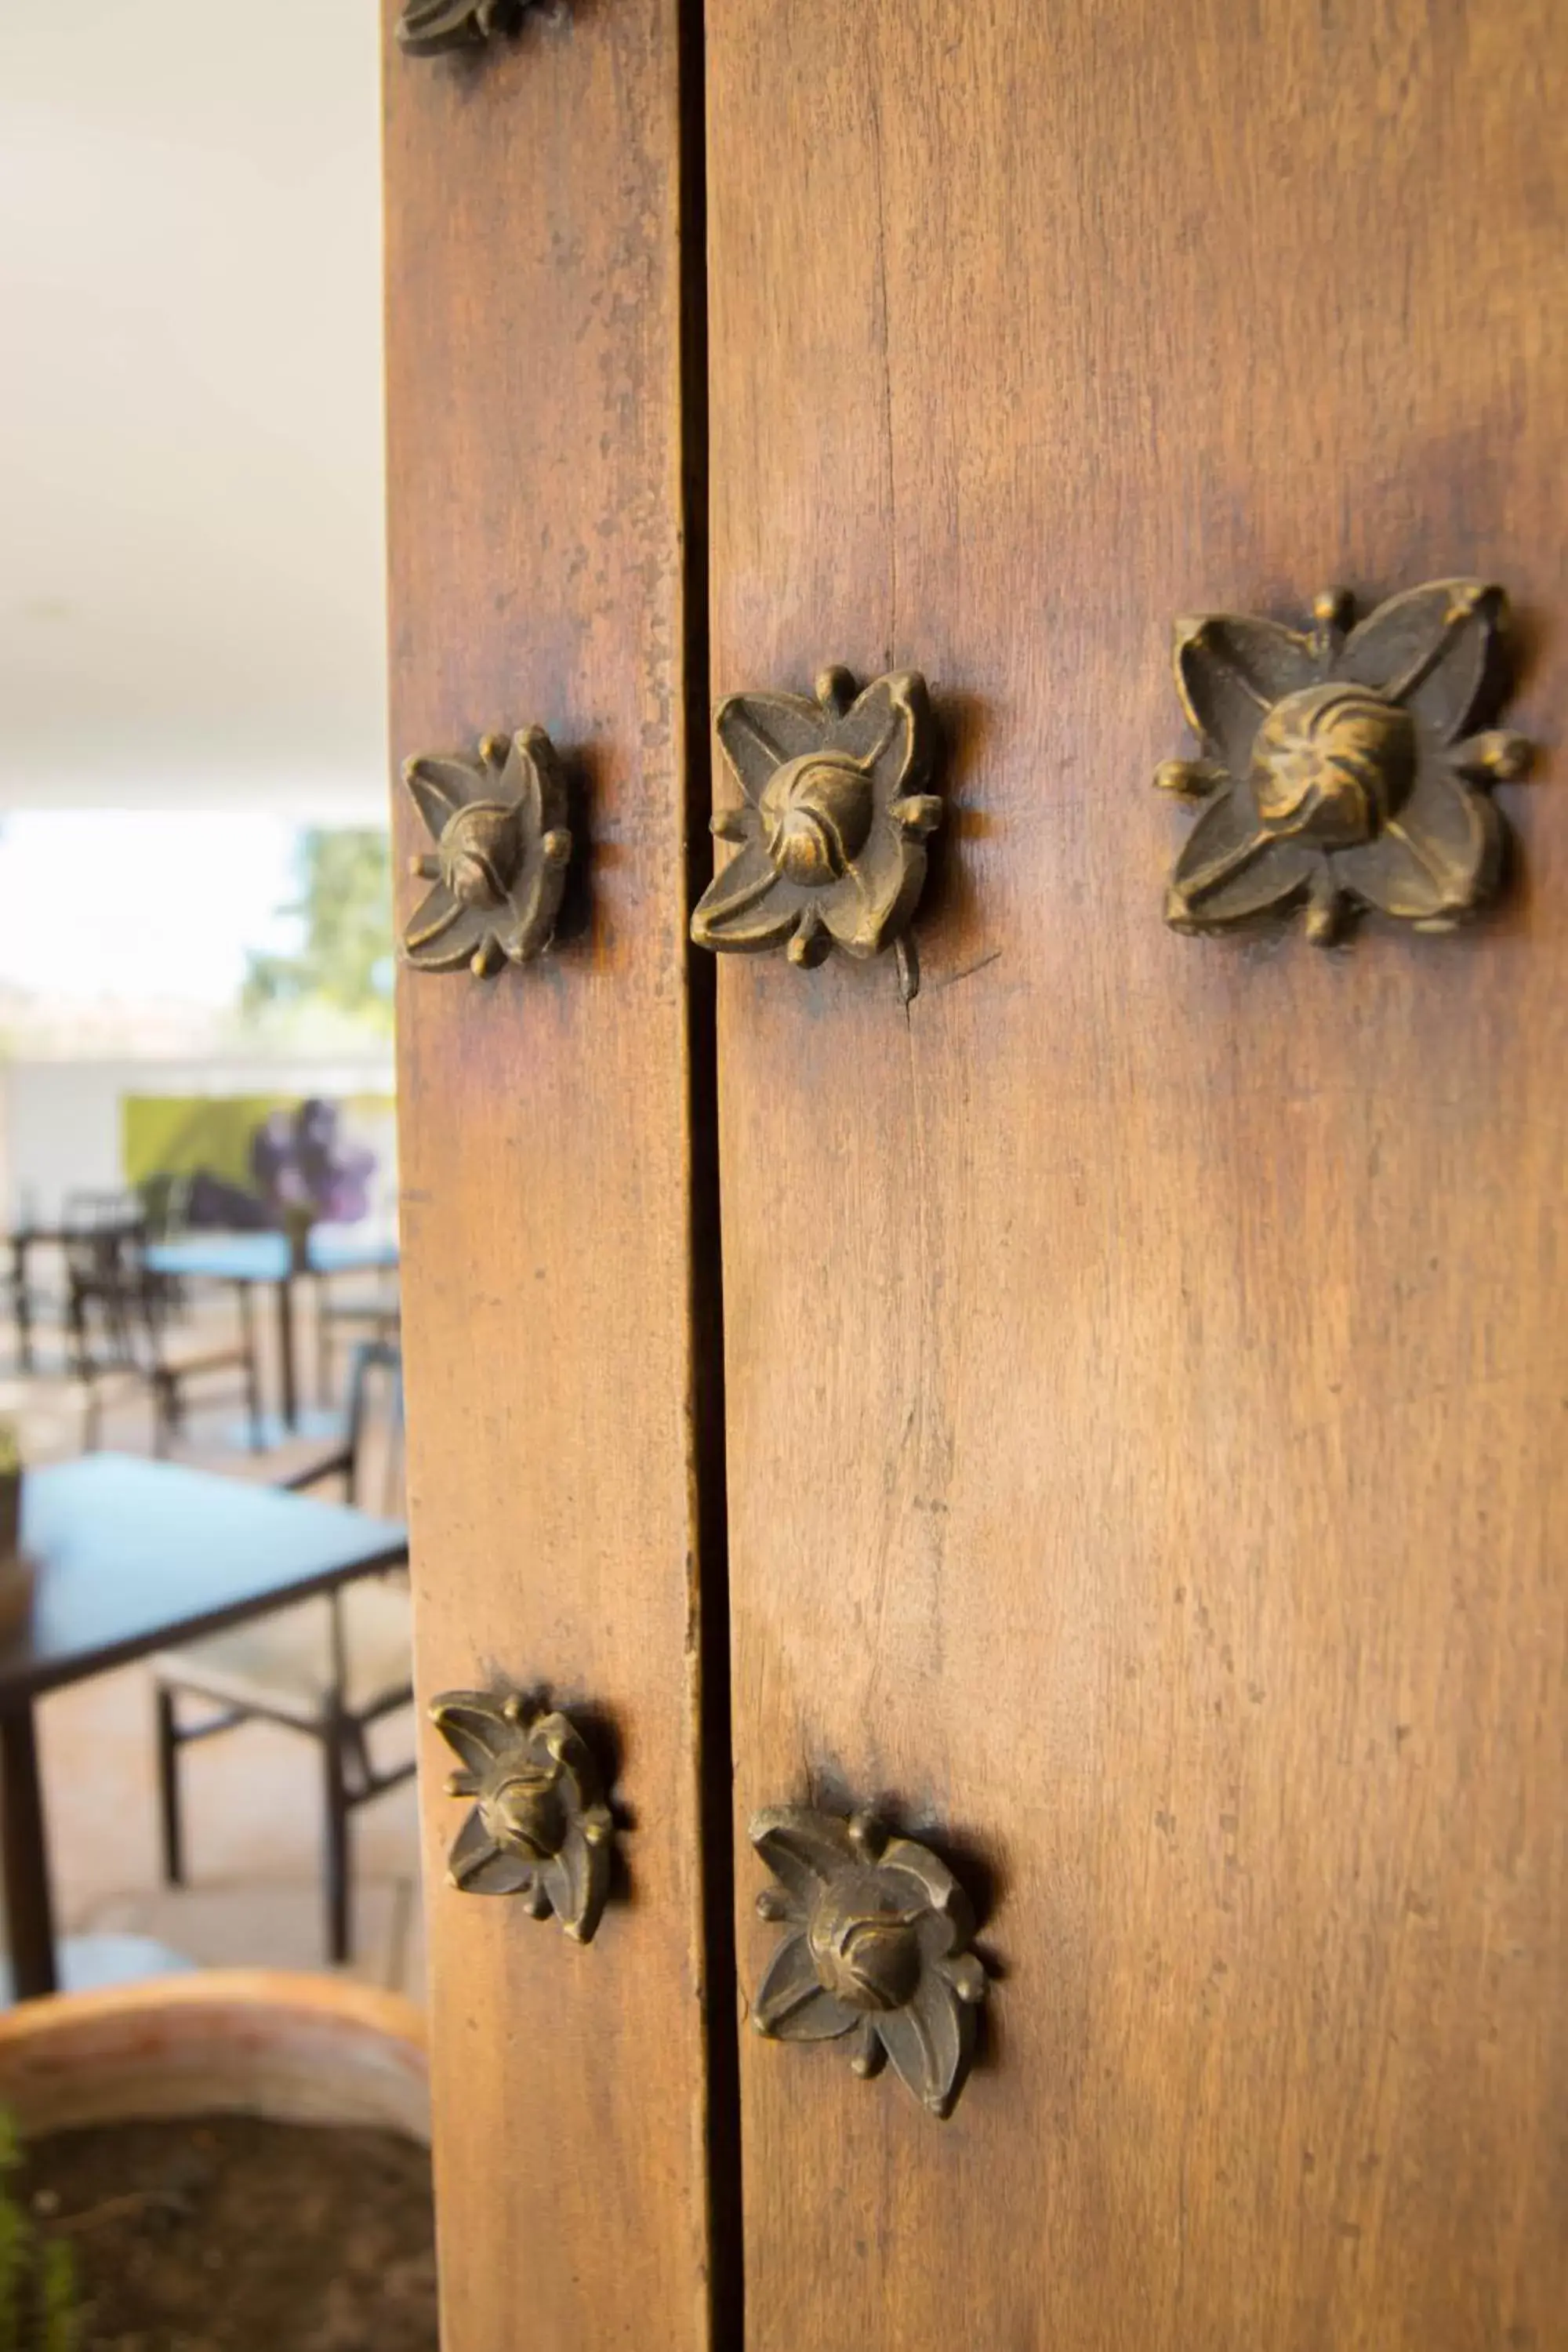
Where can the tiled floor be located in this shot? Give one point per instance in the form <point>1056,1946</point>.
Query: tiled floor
<point>252,1800</point>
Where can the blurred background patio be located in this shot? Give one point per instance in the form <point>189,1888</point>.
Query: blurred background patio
<point>195,900</point>
<point>252,1800</point>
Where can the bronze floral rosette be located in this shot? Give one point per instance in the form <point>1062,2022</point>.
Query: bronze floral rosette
<point>1342,766</point>
<point>540,1828</point>
<point>878,1949</point>
<point>498,823</point>
<point>833,822</point>
<point>427,28</point>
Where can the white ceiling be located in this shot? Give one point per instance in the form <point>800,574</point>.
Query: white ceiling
<point>191,546</point>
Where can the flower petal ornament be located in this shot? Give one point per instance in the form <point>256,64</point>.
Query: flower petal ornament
<point>428,29</point>
<point>836,810</point>
<point>540,1827</point>
<point>877,1950</point>
<point>498,823</point>
<point>1342,764</point>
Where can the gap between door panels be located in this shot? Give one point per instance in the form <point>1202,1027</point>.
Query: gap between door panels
<point>721,2003</point>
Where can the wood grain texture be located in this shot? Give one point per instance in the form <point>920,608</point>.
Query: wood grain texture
<point>1146,1366</point>
<point>533,316</point>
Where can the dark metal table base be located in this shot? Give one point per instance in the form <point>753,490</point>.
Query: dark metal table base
<point>29,1907</point>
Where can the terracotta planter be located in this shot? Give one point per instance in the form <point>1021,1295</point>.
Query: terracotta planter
<point>252,2042</point>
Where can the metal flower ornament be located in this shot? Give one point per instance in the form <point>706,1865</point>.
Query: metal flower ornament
<point>1342,764</point>
<point>877,1950</point>
<point>427,28</point>
<point>498,823</point>
<point>538,1828</point>
<point>836,810</point>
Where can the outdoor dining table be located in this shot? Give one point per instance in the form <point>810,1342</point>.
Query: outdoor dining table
<point>133,1557</point>
<point>269,1258</point>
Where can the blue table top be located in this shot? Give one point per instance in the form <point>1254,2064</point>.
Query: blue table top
<point>135,1554</point>
<point>264,1257</point>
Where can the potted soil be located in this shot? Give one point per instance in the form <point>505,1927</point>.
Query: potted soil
<point>237,2158</point>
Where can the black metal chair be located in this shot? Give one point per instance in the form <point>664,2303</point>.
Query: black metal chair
<point>331,1668</point>
<point>36,1304</point>
<point>124,1321</point>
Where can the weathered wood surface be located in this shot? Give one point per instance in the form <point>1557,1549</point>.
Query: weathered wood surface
<point>1145,1357</point>
<point>536,558</point>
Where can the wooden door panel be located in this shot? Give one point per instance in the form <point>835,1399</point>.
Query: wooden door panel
<point>536,533</point>
<point>1144,1356</point>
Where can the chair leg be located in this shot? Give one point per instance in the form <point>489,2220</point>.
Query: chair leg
<point>323,1346</point>
<point>334,1744</point>
<point>169,1790</point>
<point>252,1371</point>
<point>166,1415</point>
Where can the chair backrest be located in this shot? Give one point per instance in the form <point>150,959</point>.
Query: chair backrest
<point>376,1372</point>
<point>85,1213</point>
<point>104,1323</point>
<point>117,1305</point>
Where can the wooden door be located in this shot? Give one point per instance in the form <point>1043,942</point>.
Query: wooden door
<point>553,1299</point>
<point>1144,1353</point>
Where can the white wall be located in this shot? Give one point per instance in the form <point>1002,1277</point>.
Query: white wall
<point>191,502</point>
